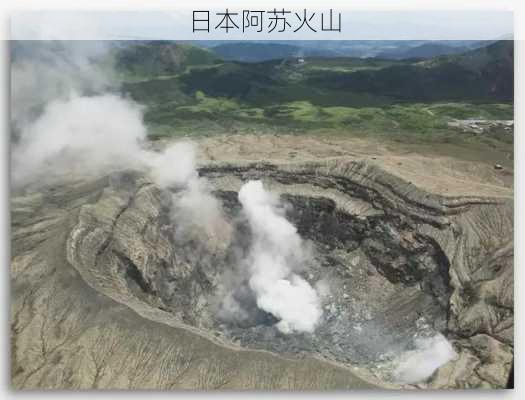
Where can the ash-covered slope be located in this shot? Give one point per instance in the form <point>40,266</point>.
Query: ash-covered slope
<point>104,295</point>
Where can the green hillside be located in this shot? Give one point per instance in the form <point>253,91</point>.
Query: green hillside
<point>199,94</point>
<point>153,59</point>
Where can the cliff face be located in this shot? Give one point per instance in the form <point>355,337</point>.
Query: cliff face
<point>105,296</point>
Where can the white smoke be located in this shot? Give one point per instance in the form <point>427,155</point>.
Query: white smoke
<point>175,166</point>
<point>45,71</point>
<point>79,135</point>
<point>67,126</point>
<point>419,364</point>
<point>277,252</point>
<point>196,210</point>
<point>63,119</point>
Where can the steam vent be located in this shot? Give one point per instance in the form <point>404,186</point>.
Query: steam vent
<point>108,294</point>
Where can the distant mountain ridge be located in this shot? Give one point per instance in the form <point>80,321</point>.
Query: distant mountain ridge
<point>484,73</point>
<point>257,52</point>
<point>395,49</point>
<point>161,58</point>
<point>426,50</point>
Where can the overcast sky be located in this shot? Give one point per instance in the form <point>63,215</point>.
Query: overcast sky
<point>177,25</point>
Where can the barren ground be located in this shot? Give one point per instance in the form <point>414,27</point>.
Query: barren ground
<point>80,319</point>
<point>441,169</point>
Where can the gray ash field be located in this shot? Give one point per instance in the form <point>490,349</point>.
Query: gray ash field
<point>395,259</point>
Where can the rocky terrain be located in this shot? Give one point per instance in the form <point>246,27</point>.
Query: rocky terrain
<point>104,295</point>
<point>478,126</point>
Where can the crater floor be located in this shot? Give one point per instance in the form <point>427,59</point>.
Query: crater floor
<point>104,295</point>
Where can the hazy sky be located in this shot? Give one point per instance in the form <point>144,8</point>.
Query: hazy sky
<point>178,25</point>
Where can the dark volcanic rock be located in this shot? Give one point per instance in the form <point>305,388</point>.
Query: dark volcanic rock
<point>99,274</point>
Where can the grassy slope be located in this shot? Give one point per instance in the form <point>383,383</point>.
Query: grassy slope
<point>337,95</point>
<point>147,60</point>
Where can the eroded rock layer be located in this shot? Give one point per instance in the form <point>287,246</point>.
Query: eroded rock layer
<point>105,295</point>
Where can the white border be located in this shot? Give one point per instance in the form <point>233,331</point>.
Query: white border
<point>130,5</point>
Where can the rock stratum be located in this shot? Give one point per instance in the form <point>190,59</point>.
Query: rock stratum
<point>103,295</point>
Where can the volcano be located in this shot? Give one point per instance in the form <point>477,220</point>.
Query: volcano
<point>106,295</point>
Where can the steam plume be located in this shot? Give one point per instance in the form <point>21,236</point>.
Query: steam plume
<point>70,121</point>
<point>276,252</point>
<point>66,117</point>
<point>45,71</point>
<point>79,135</point>
<point>419,364</point>
<point>196,210</point>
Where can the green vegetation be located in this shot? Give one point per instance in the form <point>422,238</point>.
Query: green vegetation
<point>153,59</point>
<point>188,90</point>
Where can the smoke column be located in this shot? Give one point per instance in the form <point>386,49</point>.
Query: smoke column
<point>67,117</point>
<point>276,252</point>
<point>419,364</point>
<point>196,211</point>
<point>70,121</point>
<point>79,135</point>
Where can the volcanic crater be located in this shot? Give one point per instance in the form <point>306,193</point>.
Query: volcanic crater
<point>396,264</point>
